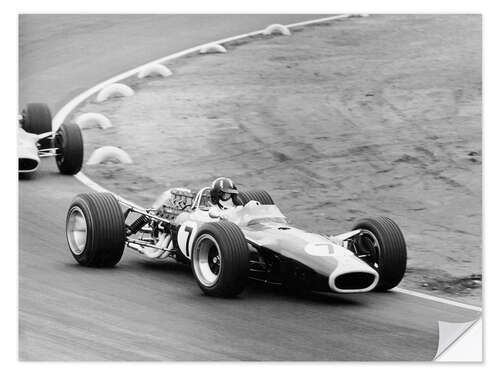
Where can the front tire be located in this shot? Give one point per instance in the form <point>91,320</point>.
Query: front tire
<point>220,259</point>
<point>383,247</point>
<point>95,230</point>
<point>69,142</point>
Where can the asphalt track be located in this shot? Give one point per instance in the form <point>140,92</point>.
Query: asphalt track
<point>143,310</point>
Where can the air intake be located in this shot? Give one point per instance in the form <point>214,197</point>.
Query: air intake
<point>354,280</point>
<point>27,165</point>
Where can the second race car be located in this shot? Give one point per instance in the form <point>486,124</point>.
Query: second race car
<point>36,140</point>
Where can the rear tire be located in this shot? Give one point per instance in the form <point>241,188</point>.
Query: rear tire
<point>227,277</point>
<point>37,119</point>
<point>69,141</point>
<point>260,196</point>
<point>95,230</point>
<point>382,238</point>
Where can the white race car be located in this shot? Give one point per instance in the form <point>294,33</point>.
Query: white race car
<point>252,240</point>
<point>36,139</point>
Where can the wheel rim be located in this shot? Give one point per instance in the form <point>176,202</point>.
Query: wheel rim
<point>368,248</point>
<point>76,231</point>
<point>207,260</point>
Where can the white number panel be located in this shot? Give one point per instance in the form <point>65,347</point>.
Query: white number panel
<point>186,236</point>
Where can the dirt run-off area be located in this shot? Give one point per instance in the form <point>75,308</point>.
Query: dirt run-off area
<point>339,121</point>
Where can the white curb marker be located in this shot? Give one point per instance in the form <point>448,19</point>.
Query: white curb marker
<point>114,90</point>
<point>154,70</point>
<point>109,153</point>
<point>276,28</point>
<point>212,48</point>
<point>91,119</point>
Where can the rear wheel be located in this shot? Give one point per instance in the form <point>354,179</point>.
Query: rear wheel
<point>37,119</point>
<point>220,259</point>
<point>95,230</point>
<point>69,142</point>
<point>260,196</point>
<point>382,245</point>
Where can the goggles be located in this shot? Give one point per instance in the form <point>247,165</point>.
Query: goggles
<point>225,196</point>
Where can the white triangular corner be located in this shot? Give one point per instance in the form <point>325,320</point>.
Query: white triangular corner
<point>460,342</point>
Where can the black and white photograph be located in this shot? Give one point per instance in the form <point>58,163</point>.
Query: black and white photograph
<point>265,186</point>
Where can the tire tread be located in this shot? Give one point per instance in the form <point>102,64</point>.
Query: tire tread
<point>393,257</point>
<point>105,227</point>
<point>234,251</point>
<point>72,150</point>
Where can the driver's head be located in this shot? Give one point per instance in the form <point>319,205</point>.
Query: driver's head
<point>224,192</point>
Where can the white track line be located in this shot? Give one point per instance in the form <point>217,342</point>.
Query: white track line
<point>437,299</point>
<point>72,104</point>
<point>319,20</point>
<point>96,187</point>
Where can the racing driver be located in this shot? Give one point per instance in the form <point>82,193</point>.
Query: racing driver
<point>223,196</point>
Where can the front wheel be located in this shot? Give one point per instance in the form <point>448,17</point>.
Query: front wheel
<point>95,230</point>
<point>220,259</point>
<point>69,143</point>
<point>382,245</point>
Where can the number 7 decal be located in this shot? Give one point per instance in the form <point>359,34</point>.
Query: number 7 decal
<point>189,230</point>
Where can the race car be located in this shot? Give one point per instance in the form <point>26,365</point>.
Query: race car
<point>36,140</point>
<point>252,241</point>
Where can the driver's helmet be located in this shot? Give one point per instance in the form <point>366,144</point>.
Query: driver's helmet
<point>224,193</point>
